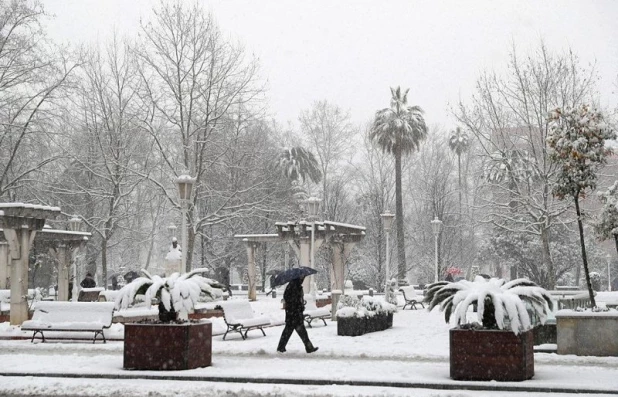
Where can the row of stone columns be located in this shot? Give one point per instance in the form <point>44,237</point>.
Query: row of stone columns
<point>340,253</point>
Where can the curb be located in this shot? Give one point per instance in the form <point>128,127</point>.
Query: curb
<point>322,382</point>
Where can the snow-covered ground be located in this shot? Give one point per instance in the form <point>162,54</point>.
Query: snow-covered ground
<point>409,359</point>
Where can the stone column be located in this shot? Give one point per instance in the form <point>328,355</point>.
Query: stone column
<point>340,253</point>
<point>251,248</point>
<point>4,265</point>
<point>305,259</point>
<point>64,266</point>
<point>19,246</point>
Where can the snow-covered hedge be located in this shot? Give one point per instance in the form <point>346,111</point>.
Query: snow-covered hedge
<point>351,306</point>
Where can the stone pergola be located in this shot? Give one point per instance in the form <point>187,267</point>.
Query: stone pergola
<point>20,223</point>
<point>341,236</point>
<point>63,246</point>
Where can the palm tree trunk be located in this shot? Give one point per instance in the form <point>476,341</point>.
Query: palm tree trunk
<point>583,245</point>
<point>401,248</point>
<point>460,211</point>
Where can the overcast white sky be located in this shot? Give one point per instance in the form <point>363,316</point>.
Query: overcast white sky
<point>351,52</point>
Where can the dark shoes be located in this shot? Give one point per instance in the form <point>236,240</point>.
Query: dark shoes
<point>309,350</point>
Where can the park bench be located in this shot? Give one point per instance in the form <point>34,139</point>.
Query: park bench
<point>239,317</point>
<point>411,297</point>
<point>70,317</point>
<point>90,294</point>
<point>312,312</point>
<point>571,299</point>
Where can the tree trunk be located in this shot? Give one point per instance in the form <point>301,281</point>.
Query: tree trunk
<point>103,262</point>
<point>401,248</point>
<point>548,263</point>
<point>460,211</point>
<point>583,245</point>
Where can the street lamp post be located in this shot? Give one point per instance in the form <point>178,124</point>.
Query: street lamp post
<point>185,186</point>
<point>387,221</point>
<point>74,226</point>
<point>436,225</point>
<point>313,207</point>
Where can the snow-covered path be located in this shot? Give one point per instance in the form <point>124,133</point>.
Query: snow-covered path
<point>277,371</point>
<point>409,359</point>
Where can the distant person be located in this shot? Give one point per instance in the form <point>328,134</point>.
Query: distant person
<point>449,278</point>
<point>71,288</point>
<point>88,281</point>
<point>294,300</point>
<point>114,282</point>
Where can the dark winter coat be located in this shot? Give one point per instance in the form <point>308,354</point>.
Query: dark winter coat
<point>294,299</point>
<point>88,282</point>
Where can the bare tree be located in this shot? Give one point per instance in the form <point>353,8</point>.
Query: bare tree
<point>32,75</point>
<point>105,147</point>
<point>327,129</point>
<point>508,118</point>
<point>200,90</point>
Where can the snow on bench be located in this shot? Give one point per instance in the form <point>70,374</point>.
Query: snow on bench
<point>239,316</point>
<point>312,312</point>
<point>70,316</point>
<point>411,297</point>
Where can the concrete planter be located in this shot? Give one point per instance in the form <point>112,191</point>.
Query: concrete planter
<point>587,333</point>
<point>167,346</point>
<point>356,326</point>
<point>491,355</point>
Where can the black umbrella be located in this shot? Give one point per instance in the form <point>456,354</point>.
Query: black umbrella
<point>291,274</point>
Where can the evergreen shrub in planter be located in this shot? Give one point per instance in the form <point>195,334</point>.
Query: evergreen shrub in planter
<point>356,317</point>
<point>500,346</point>
<point>172,343</point>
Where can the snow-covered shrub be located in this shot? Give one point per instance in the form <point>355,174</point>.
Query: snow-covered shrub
<point>351,306</point>
<point>177,294</point>
<point>500,304</point>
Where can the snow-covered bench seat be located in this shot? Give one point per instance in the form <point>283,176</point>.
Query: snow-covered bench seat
<point>239,317</point>
<point>312,312</point>
<point>70,317</point>
<point>411,297</point>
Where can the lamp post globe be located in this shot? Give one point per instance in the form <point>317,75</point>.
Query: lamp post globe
<point>171,229</point>
<point>185,188</point>
<point>436,225</point>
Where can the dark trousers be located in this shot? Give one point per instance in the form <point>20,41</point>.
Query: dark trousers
<point>300,330</point>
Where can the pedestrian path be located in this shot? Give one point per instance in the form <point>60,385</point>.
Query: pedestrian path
<point>305,370</point>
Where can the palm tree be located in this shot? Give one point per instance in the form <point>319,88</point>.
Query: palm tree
<point>298,164</point>
<point>399,130</point>
<point>459,143</point>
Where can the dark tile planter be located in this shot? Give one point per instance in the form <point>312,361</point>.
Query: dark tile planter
<point>356,326</point>
<point>546,333</point>
<point>167,346</point>
<point>491,355</point>
<point>208,313</point>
